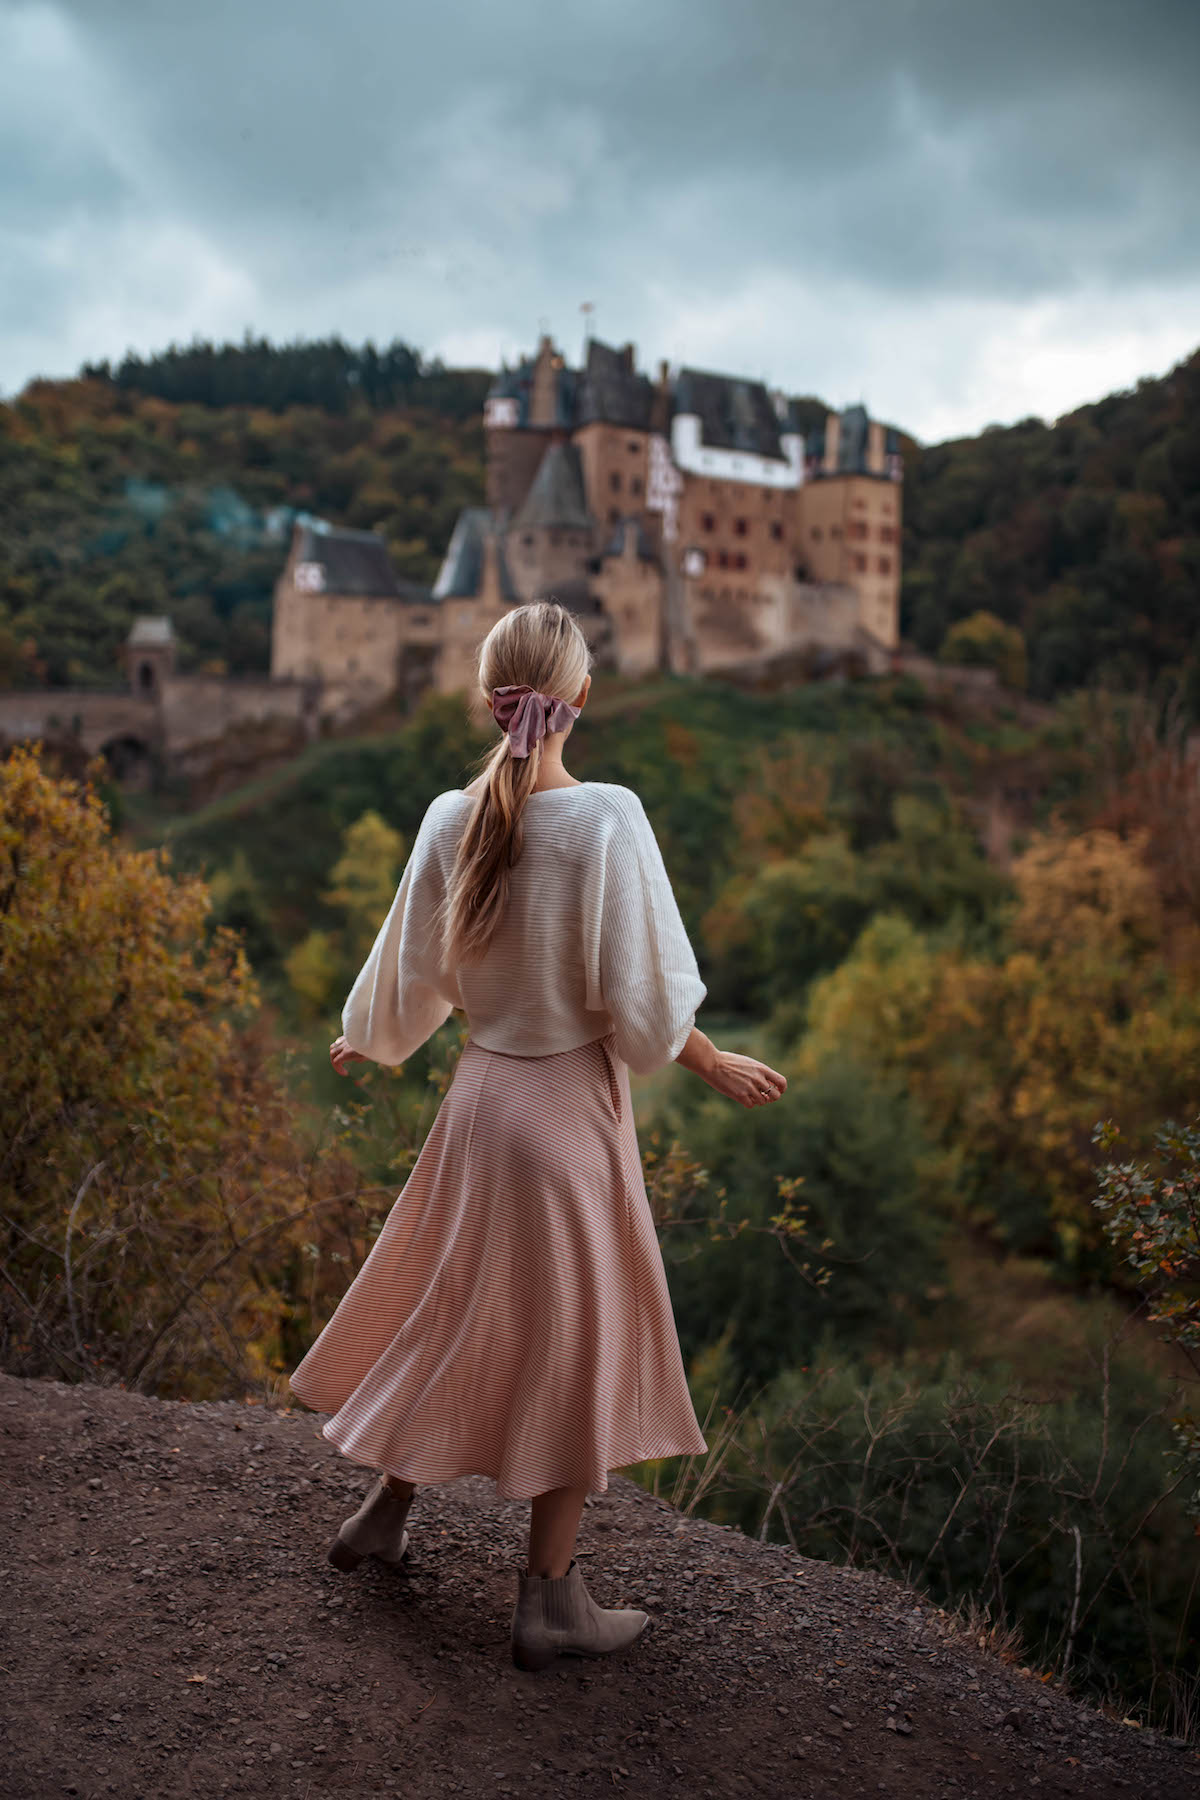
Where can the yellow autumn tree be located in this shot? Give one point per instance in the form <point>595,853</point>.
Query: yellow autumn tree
<point>362,887</point>
<point>1013,1060</point>
<point>152,1190</point>
<point>987,641</point>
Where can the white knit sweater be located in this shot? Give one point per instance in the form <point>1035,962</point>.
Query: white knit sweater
<point>591,941</point>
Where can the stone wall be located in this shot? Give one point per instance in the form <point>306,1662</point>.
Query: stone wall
<point>615,470</point>
<point>742,530</point>
<point>848,527</point>
<point>356,645</point>
<point>958,678</point>
<point>545,555</point>
<point>631,590</point>
<point>198,709</point>
<point>94,718</point>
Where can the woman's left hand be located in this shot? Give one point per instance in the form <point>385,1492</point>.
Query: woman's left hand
<point>340,1054</point>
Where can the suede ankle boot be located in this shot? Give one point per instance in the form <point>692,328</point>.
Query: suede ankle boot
<point>376,1529</point>
<point>556,1614</point>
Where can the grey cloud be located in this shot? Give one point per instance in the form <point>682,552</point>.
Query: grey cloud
<point>429,170</point>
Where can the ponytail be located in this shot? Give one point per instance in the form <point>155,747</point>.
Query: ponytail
<point>542,646</point>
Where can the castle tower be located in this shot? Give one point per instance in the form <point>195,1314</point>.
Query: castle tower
<point>148,655</point>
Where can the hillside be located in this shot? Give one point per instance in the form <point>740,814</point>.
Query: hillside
<point>116,503</point>
<point>172,1626</point>
<point>1084,533</point>
<point>825,847</point>
<point>163,485</point>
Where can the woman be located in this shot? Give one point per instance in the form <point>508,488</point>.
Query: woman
<point>512,1318</point>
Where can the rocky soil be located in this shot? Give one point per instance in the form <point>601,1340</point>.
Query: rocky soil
<point>170,1627</point>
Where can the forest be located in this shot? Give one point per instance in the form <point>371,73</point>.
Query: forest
<point>117,502</point>
<point>1067,554</point>
<point>940,1307</point>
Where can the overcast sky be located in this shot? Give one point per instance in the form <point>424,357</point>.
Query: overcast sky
<point>957,212</point>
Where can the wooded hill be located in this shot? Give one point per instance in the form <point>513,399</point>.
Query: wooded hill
<point>161,485</point>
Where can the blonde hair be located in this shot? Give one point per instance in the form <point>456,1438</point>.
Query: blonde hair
<point>542,646</point>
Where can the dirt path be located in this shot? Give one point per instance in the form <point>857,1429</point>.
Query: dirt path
<point>170,1627</point>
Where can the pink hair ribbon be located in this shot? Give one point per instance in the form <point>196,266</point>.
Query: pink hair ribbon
<point>526,715</point>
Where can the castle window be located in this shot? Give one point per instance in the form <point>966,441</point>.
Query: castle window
<point>817,534</point>
<point>860,562</point>
<point>613,515</point>
<point>722,559</point>
<point>885,565</point>
<point>739,561</point>
<point>614,481</point>
<point>527,540</point>
<point>708,522</point>
<point>776,530</point>
<point>835,531</point>
<point>633,447</point>
<point>635,484</point>
<point>858,528</point>
<point>739,527</point>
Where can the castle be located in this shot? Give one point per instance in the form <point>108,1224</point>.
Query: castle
<point>692,523</point>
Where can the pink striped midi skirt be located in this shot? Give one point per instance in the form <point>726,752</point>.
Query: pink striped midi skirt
<point>512,1318</point>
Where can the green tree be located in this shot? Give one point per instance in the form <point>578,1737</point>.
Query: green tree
<point>985,641</point>
<point>872,1191</point>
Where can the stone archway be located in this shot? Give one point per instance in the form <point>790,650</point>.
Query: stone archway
<point>130,761</point>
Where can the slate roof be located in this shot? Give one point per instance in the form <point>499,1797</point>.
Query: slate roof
<point>852,441</point>
<point>557,494</point>
<point>804,416</point>
<point>461,573</point>
<point>151,629</point>
<point>517,384</point>
<point>734,414</point>
<point>355,562</point>
<point>612,392</point>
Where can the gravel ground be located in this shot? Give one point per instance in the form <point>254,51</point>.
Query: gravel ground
<point>171,1627</point>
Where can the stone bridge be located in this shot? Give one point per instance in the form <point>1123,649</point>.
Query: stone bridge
<point>124,727</point>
